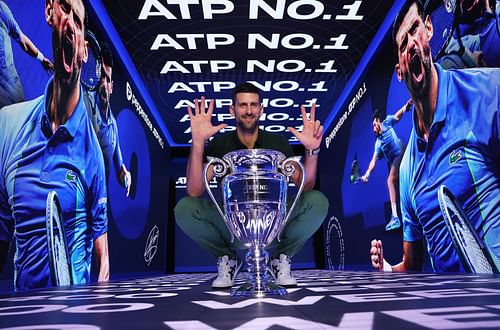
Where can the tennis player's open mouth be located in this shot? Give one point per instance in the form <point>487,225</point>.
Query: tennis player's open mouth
<point>68,51</point>
<point>416,67</point>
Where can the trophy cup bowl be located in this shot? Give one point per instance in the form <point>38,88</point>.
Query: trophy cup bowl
<point>254,190</point>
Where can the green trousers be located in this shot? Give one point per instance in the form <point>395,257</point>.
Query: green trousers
<point>200,220</point>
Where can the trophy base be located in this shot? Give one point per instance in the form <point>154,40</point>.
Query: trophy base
<point>249,289</point>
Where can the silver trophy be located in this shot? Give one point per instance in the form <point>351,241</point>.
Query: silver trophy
<point>254,191</point>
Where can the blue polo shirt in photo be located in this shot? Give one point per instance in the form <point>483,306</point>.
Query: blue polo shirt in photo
<point>34,161</point>
<point>463,153</point>
<point>388,144</point>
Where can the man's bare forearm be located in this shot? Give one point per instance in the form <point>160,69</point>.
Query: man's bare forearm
<point>311,169</point>
<point>194,170</point>
<point>413,257</point>
<point>102,255</point>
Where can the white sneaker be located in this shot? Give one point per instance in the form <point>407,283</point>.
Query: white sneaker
<point>280,269</point>
<point>227,270</point>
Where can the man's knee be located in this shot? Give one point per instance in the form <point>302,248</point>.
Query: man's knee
<point>317,201</point>
<point>392,179</point>
<point>185,209</point>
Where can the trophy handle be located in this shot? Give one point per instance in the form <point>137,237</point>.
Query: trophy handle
<point>288,170</point>
<point>220,169</point>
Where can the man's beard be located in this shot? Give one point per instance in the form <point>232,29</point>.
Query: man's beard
<point>247,127</point>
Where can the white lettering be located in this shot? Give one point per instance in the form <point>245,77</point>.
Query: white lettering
<point>276,13</point>
<point>83,297</point>
<point>338,42</point>
<point>196,66</point>
<point>282,66</point>
<point>29,309</point>
<point>352,15</point>
<point>349,321</point>
<point>275,128</point>
<point>454,293</point>
<point>370,297</point>
<point>181,325</point>
<point>463,317</point>
<point>147,10</point>
<point>291,41</point>
<point>165,40</point>
<point>65,326</point>
<point>209,7</point>
<point>147,295</point>
<point>278,116</point>
<point>108,308</point>
<point>212,304</point>
<point>294,10</point>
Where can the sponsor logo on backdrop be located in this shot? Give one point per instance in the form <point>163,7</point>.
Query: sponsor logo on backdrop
<point>352,105</point>
<point>140,111</point>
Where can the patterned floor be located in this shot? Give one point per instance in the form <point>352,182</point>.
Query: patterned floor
<point>323,300</point>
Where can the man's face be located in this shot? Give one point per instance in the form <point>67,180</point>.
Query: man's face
<point>66,17</point>
<point>377,127</point>
<point>105,85</point>
<point>247,110</point>
<point>414,53</point>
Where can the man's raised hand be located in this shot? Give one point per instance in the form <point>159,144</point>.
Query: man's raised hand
<point>312,133</point>
<point>201,121</point>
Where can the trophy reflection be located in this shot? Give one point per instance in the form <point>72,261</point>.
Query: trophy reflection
<point>254,190</point>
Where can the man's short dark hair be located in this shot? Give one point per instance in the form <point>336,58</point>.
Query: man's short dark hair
<point>85,17</point>
<point>399,19</point>
<point>377,115</point>
<point>245,87</point>
<point>107,56</point>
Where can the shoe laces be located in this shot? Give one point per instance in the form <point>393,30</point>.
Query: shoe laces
<point>284,266</point>
<point>223,267</point>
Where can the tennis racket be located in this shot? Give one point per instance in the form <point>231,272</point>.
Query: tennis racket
<point>91,70</point>
<point>443,15</point>
<point>473,254</point>
<point>355,176</point>
<point>60,264</point>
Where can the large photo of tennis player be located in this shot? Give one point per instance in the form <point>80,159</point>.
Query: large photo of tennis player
<point>433,115</point>
<point>455,142</point>
<point>72,210</point>
<point>48,144</point>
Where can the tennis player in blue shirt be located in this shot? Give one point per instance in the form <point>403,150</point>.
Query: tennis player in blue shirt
<point>48,144</point>
<point>455,141</point>
<point>389,146</point>
<point>99,110</point>
<point>11,90</point>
